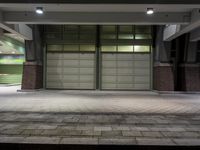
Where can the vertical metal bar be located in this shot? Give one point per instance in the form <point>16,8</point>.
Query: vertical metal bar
<point>98,55</point>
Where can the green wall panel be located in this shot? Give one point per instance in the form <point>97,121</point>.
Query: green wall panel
<point>10,74</point>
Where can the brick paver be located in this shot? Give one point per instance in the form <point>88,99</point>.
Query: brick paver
<point>119,118</point>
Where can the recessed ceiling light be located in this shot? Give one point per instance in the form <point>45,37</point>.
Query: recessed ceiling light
<point>150,11</point>
<point>39,10</point>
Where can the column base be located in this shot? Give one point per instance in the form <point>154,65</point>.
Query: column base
<point>32,76</point>
<point>190,77</point>
<point>163,78</point>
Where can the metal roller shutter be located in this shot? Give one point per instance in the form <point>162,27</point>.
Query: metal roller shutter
<point>126,71</point>
<point>70,71</point>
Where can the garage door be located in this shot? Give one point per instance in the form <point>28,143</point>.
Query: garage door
<point>70,70</point>
<point>126,71</point>
<point>70,56</point>
<point>125,57</point>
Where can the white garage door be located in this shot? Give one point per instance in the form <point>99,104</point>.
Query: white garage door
<point>70,71</point>
<point>126,71</point>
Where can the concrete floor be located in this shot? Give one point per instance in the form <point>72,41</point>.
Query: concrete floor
<point>97,101</point>
<point>99,117</point>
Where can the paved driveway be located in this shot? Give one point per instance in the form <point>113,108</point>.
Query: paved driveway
<point>98,102</point>
<point>124,118</point>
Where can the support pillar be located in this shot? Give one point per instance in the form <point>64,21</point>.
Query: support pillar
<point>33,66</point>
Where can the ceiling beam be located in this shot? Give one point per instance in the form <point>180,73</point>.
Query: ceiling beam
<point>95,18</point>
<point>105,1</point>
<point>173,31</point>
<point>21,30</point>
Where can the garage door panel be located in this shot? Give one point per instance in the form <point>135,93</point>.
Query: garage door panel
<point>67,85</point>
<point>87,71</point>
<point>109,86</point>
<point>70,78</point>
<point>141,64</point>
<point>70,63</point>
<point>141,79</point>
<point>125,79</point>
<point>54,63</point>
<point>54,85</point>
<point>54,76</point>
<point>126,64</point>
<point>145,57</point>
<point>138,71</point>
<point>86,63</point>
<point>109,64</point>
<point>68,56</point>
<point>54,56</point>
<point>86,85</point>
<point>109,79</point>
<point>109,56</point>
<point>125,71</point>
<point>86,78</point>
<point>70,70</point>
<point>142,86</point>
<point>54,70</point>
<point>87,56</point>
<point>124,86</point>
<point>109,71</point>
<point>125,57</point>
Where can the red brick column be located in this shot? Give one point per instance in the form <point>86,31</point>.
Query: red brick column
<point>32,76</point>
<point>190,77</point>
<point>163,78</point>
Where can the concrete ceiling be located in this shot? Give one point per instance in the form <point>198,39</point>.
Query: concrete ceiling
<point>99,7</point>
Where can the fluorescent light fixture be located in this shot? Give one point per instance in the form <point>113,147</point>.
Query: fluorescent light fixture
<point>150,11</point>
<point>39,10</point>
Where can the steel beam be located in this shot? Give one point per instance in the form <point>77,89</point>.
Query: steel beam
<point>173,31</point>
<point>21,30</point>
<point>95,18</point>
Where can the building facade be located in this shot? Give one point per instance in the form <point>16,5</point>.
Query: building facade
<point>109,45</point>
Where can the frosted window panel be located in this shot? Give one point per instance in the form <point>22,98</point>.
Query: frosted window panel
<point>126,48</point>
<point>142,36</point>
<point>109,48</point>
<point>108,36</point>
<point>125,36</point>
<point>139,48</point>
<point>54,47</point>
<point>108,28</point>
<point>125,29</point>
<point>71,47</point>
<point>87,47</point>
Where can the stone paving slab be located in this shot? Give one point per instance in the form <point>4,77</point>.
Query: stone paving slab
<point>177,129</point>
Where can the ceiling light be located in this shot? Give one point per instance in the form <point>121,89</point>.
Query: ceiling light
<point>150,11</point>
<point>39,10</point>
<point>13,52</point>
<point>0,52</point>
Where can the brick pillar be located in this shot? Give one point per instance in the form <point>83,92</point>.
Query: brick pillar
<point>190,77</point>
<point>32,76</point>
<point>33,67</point>
<point>163,78</point>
